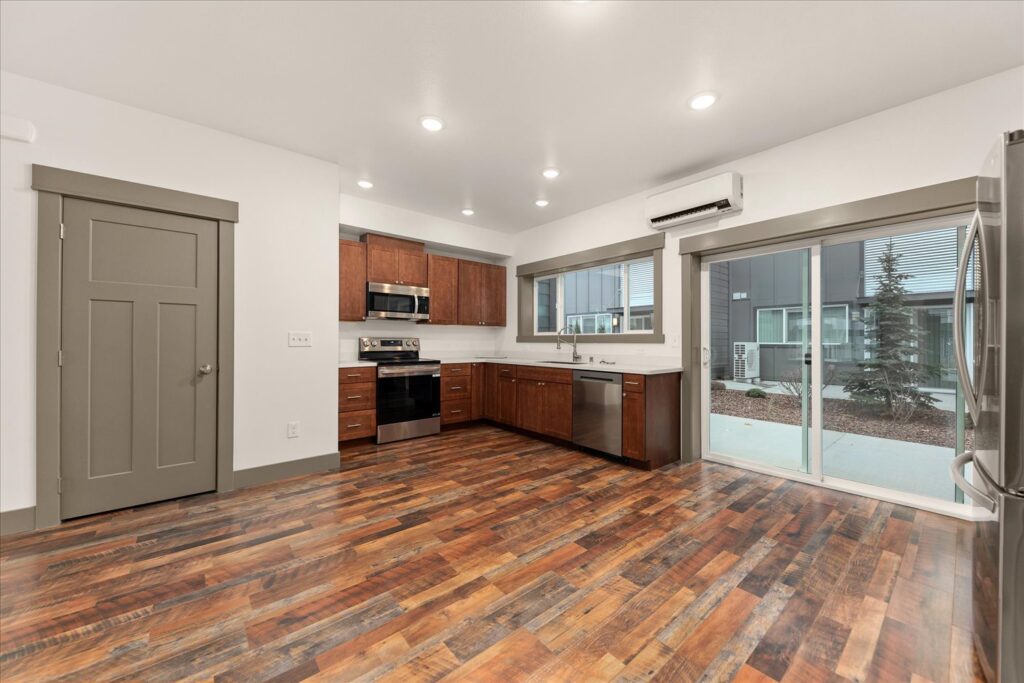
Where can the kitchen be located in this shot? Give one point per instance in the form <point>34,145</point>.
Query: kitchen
<point>511,341</point>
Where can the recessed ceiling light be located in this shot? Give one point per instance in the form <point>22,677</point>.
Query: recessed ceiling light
<point>365,184</point>
<point>550,173</point>
<point>702,100</point>
<point>468,212</point>
<point>541,203</point>
<point>431,123</point>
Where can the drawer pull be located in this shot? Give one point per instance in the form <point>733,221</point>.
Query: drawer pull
<point>352,397</point>
<point>628,382</point>
<point>454,370</point>
<point>353,374</point>
<point>357,424</point>
<point>455,411</point>
<point>456,388</point>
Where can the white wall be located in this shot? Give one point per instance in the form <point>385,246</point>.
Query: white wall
<point>442,236</point>
<point>938,138</point>
<point>285,264</point>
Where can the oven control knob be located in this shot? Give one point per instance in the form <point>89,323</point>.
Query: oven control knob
<point>373,343</point>
<point>365,342</point>
<point>414,342</point>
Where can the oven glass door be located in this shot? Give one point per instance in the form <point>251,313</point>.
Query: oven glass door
<point>408,397</point>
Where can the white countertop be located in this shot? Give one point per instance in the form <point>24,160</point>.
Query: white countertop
<point>632,368</point>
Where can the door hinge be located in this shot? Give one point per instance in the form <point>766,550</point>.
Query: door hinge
<point>60,358</point>
<point>62,230</point>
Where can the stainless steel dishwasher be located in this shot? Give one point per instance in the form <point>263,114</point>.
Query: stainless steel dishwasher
<point>597,410</point>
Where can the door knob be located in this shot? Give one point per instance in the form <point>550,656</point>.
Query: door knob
<point>205,369</point>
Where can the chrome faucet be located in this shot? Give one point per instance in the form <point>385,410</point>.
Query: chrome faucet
<point>576,357</point>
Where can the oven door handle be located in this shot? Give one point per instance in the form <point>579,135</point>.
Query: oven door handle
<point>412,371</point>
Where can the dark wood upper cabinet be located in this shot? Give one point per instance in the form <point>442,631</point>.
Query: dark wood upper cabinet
<point>471,283</point>
<point>492,304</point>
<point>443,280</point>
<point>481,293</point>
<point>633,424</point>
<point>351,280</point>
<point>381,264</point>
<point>412,269</point>
<point>395,261</point>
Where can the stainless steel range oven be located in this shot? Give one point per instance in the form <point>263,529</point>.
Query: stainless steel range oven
<point>397,302</point>
<point>408,388</point>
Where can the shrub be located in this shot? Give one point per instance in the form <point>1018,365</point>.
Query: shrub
<point>717,385</point>
<point>754,392</point>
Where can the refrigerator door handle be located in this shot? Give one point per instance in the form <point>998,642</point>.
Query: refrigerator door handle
<point>956,469</point>
<point>973,391</point>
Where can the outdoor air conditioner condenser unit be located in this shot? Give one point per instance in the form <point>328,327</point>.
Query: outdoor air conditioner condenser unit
<point>714,196</point>
<point>746,360</point>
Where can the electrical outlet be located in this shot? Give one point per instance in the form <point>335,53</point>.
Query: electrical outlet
<point>300,339</point>
<point>293,430</point>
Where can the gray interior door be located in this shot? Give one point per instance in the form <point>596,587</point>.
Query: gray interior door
<point>139,347</point>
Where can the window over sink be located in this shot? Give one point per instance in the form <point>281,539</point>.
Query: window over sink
<point>615,298</point>
<point>610,293</point>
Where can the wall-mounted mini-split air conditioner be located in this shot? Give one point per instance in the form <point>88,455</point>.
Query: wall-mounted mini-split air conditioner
<point>708,198</point>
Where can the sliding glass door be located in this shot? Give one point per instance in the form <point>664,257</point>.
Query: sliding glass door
<point>758,358</point>
<point>833,359</point>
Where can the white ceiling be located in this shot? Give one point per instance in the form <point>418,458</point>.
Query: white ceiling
<point>598,89</point>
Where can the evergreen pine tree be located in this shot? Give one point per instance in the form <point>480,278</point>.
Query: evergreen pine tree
<point>889,378</point>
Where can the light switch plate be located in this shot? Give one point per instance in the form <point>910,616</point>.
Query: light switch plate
<point>300,339</point>
<point>293,430</point>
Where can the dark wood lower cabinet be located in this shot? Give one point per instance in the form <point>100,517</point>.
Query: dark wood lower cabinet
<point>539,400</point>
<point>490,391</point>
<point>477,378</point>
<point>507,400</point>
<point>530,399</point>
<point>558,410</point>
<point>633,425</point>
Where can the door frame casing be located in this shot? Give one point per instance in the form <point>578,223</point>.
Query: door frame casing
<point>53,185</point>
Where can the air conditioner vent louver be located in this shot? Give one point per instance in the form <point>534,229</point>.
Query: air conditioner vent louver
<point>693,213</point>
<point>704,199</point>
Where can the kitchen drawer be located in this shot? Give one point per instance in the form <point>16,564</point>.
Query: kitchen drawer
<point>456,388</point>
<point>357,425</point>
<point>455,411</point>
<point>506,370</point>
<point>361,396</point>
<point>633,383</point>
<point>556,375</point>
<point>357,375</point>
<point>455,369</point>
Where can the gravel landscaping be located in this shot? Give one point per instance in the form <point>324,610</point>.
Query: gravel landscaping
<point>928,426</point>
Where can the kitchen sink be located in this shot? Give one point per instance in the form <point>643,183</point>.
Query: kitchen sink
<point>566,362</point>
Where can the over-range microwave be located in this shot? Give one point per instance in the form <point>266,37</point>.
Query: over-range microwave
<point>397,302</point>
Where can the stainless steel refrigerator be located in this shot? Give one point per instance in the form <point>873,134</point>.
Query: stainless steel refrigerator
<point>989,336</point>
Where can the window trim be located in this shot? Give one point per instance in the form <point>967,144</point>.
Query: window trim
<point>650,246</point>
<point>785,324</point>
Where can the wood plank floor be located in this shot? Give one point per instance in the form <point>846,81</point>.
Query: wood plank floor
<point>484,555</point>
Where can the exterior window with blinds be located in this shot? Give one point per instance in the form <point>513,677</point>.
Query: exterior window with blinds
<point>615,298</point>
